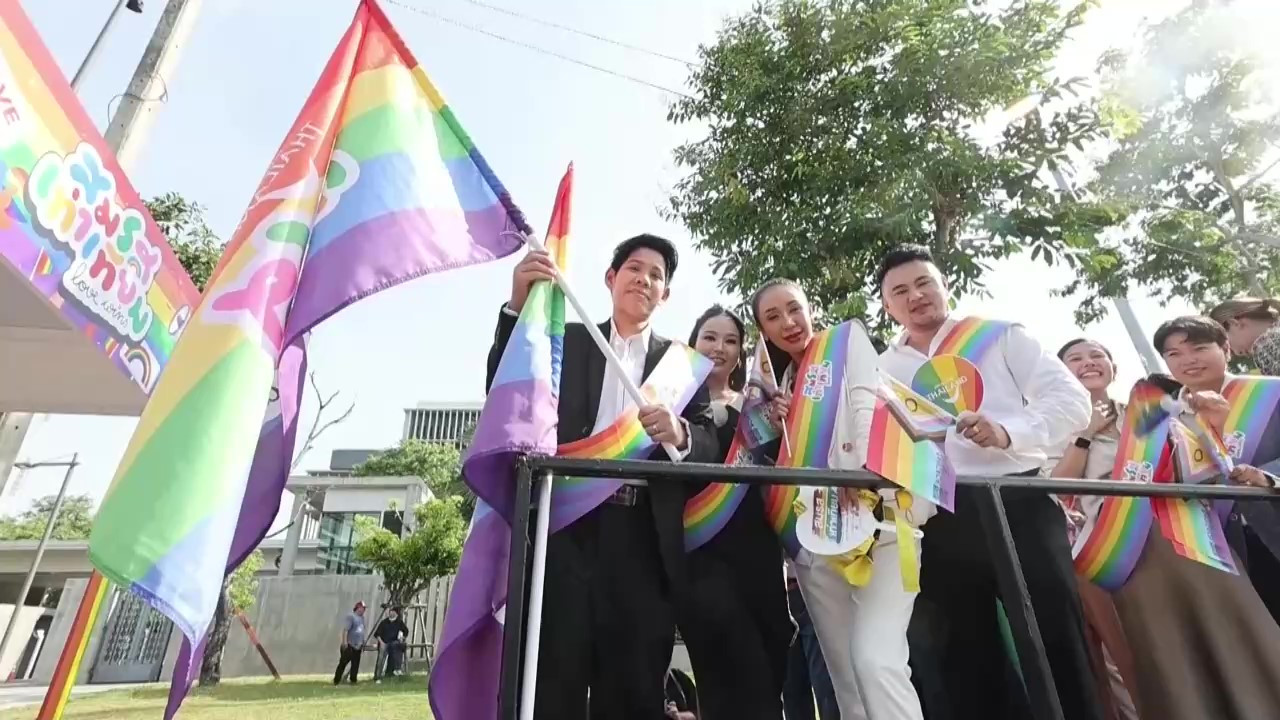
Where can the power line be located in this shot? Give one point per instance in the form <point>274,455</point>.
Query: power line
<point>528,46</point>
<point>576,31</point>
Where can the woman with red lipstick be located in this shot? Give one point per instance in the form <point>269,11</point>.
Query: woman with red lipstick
<point>862,629</point>
<point>1091,455</point>
<point>734,619</point>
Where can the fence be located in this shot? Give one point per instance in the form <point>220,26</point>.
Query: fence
<point>1028,643</point>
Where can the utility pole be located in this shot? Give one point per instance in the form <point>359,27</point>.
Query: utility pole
<point>21,600</point>
<point>87,63</point>
<point>132,119</point>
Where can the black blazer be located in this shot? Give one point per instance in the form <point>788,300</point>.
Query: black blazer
<point>581,376</point>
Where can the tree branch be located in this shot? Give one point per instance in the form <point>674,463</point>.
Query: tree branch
<point>318,424</point>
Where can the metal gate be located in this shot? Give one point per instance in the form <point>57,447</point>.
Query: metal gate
<point>134,641</point>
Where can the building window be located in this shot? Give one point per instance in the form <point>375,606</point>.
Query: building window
<point>336,553</point>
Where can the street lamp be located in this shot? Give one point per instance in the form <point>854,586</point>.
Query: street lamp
<point>48,531</point>
<point>134,5</point>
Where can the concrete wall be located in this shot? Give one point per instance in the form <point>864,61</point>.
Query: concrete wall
<point>72,594</point>
<point>298,621</point>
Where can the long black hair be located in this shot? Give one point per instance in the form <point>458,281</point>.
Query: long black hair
<point>737,376</point>
<point>779,358</point>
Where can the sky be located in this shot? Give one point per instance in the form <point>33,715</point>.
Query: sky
<point>249,66</point>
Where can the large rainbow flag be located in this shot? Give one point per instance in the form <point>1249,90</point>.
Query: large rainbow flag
<point>375,184</point>
<point>519,416</point>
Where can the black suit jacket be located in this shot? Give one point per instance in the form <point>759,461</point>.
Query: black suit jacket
<point>581,377</point>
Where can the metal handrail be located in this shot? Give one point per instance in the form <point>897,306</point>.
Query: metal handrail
<point>986,495</point>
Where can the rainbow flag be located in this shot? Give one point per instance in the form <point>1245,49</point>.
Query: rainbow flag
<point>919,466</point>
<point>1107,554</point>
<point>375,184</point>
<point>1254,402</point>
<point>1195,531</point>
<point>519,417</point>
<point>709,510</point>
<point>922,419</point>
<point>1199,454</point>
<point>674,380</point>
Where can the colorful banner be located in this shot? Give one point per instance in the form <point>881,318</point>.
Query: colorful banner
<point>70,222</point>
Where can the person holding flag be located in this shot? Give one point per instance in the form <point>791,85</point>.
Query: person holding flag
<point>825,414</point>
<point>734,617</point>
<point>613,571</point>
<point>1014,402</point>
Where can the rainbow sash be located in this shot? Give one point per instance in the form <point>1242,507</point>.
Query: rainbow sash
<point>1107,554</point>
<point>971,338</point>
<point>674,380</point>
<point>915,462</point>
<point>1254,401</point>
<point>708,511</point>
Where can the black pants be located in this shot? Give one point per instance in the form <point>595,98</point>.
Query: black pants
<point>733,618</point>
<point>959,585</point>
<point>1263,569</point>
<point>349,655</point>
<point>608,624</point>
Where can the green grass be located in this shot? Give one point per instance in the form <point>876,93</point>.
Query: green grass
<point>294,698</point>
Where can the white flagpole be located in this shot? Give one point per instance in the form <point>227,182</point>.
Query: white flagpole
<point>599,339</point>
<point>529,683</point>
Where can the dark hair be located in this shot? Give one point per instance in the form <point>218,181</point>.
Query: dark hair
<point>1062,351</point>
<point>901,255</point>
<point>737,376</point>
<point>660,245</point>
<point>1197,328</point>
<point>777,356</point>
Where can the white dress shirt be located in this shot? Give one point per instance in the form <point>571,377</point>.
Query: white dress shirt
<point>1027,390</point>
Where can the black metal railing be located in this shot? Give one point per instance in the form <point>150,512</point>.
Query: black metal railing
<point>1026,634</point>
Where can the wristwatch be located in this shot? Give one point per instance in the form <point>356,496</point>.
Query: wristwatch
<point>1083,443</point>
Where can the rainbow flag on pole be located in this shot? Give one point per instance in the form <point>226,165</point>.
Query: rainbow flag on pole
<point>375,184</point>
<point>519,417</point>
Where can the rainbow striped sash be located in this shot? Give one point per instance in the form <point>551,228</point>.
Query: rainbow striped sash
<point>1254,401</point>
<point>1107,554</point>
<point>971,338</point>
<point>909,458</point>
<point>674,380</point>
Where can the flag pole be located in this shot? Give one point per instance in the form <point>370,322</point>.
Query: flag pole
<point>533,629</point>
<point>610,357</point>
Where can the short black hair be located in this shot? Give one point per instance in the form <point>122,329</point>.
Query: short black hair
<point>1062,351</point>
<point>660,245</point>
<point>738,376</point>
<point>1198,329</point>
<point>901,255</point>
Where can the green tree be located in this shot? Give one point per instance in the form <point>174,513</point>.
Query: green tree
<point>239,591</point>
<point>75,518</point>
<point>1193,126</point>
<point>182,221</point>
<point>438,464</point>
<point>408,564</point>
<point>838,128</point>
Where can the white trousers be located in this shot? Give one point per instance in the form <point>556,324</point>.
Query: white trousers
<point>863,634</point>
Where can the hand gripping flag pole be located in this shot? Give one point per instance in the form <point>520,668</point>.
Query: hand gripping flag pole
<point>537,579</point>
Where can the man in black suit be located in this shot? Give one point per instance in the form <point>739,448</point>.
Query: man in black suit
<point>608,624</point>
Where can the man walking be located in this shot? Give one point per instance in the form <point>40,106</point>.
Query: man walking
<point>351,644</point>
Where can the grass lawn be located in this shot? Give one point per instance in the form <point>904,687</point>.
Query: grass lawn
<point>294,698</point>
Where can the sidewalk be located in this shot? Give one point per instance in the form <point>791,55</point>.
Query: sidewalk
<point>17,694</point>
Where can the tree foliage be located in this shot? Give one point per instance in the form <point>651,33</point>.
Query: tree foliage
<point>838,128</point>
<point>1193,127</point>
<point>75,519</point>
<point>195,244</point>
<point>438,464</point>
<point>408,564</point>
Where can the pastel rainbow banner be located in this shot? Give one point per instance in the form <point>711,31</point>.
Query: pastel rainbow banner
<point>709,510</point>
<point>1107,553</point>
<point>519,417</point>
<point>375,184</point>
<point>919,466</point>
<point>71,224</point>
<point>673,382</point>
<point>1254,403</point>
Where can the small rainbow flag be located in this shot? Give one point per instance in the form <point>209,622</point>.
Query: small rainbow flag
<point>1199,454</point>
<point>1108,553</point>
<point>922,419</point>
<point>917,465</point>
<point>971,338</point>
<point>1195,531</point>
<point>1254,401</point>
<point>674,380</point>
